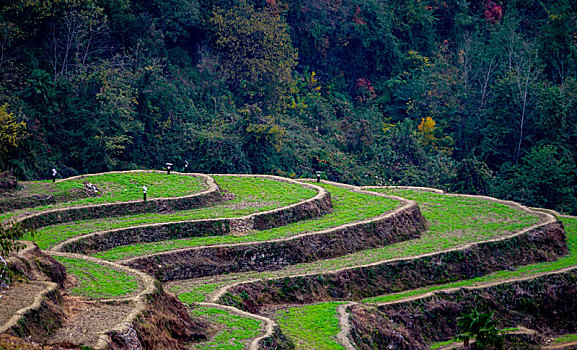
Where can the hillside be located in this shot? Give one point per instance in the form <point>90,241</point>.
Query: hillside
<point>259,261</point>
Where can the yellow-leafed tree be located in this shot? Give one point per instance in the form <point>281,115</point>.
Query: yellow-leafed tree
<point>12,132</point>
<point>427,128</point>
<point>428,136</point>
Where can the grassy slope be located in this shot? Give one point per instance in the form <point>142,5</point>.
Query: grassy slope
<point>115,188</point>
<point>348,206</point>
<point>252,195</point>
<point>234,331</point>
<point>454,221</point>
<point>98,281</point>
<point>311,327</point>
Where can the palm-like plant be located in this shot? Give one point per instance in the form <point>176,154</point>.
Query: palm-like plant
<point>482,327</point>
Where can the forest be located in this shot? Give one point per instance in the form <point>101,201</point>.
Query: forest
<point>471,96</point>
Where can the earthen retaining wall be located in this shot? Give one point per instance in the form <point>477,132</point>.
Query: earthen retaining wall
<point>545,303</point>
<point>87,212</point>
<point>398,225</point>
<point>15,203</point>
<point>43,315</point>
<point>319,205</point>
<point>541,242</point>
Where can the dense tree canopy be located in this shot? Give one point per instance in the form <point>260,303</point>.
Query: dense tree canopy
<point>471,96</point>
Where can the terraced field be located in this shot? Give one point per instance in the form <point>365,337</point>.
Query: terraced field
<point>275,263</point>
<point>99,189</point>
<point>256,195</point>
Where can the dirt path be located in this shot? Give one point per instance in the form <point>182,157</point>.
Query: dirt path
<point>343,335</point>
<point>564,346</point>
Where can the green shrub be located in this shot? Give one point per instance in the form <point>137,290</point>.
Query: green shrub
<point>9,236</point>
<point>482,327</point>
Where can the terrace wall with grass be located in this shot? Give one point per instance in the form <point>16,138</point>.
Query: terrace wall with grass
<point>402,224</point>
<point>545,304</point>
<point>100,241</point>
<point>15,203</point>
<point>159,205</point>
<point>371,329</point>
<point>277,340</point>
<point>542,242</point>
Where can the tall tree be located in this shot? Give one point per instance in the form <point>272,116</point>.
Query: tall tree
<point>256,51</point>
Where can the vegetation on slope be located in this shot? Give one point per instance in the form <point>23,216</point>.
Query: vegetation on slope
<point>112,188</point>
<point>98,281</point>
<point>252,194</point>
<point>454,221</point>
<point>312,326</point>
<point>478,97</point>
<point>233,331</point>
<point>520,271</point>
<point>348,206</point>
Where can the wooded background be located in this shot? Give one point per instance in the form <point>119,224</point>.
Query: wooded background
<point>470,96</point>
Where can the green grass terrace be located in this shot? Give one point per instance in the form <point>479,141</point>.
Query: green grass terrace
<point>251,195</point>
<point>453,222</point>
<point>348,206</point>
<point>112,188</point>
<point>99,281</point>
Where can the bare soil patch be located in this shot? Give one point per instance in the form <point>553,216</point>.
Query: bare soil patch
<point>18,296</point>
<point>86,321</point>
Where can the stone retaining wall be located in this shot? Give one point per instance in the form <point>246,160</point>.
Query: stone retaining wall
<point>545,303</point>
<point>57,216</point>
<point>15,203</point>
<point>542,242</point>
<point>399,225</point>
<point>314,207</point>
